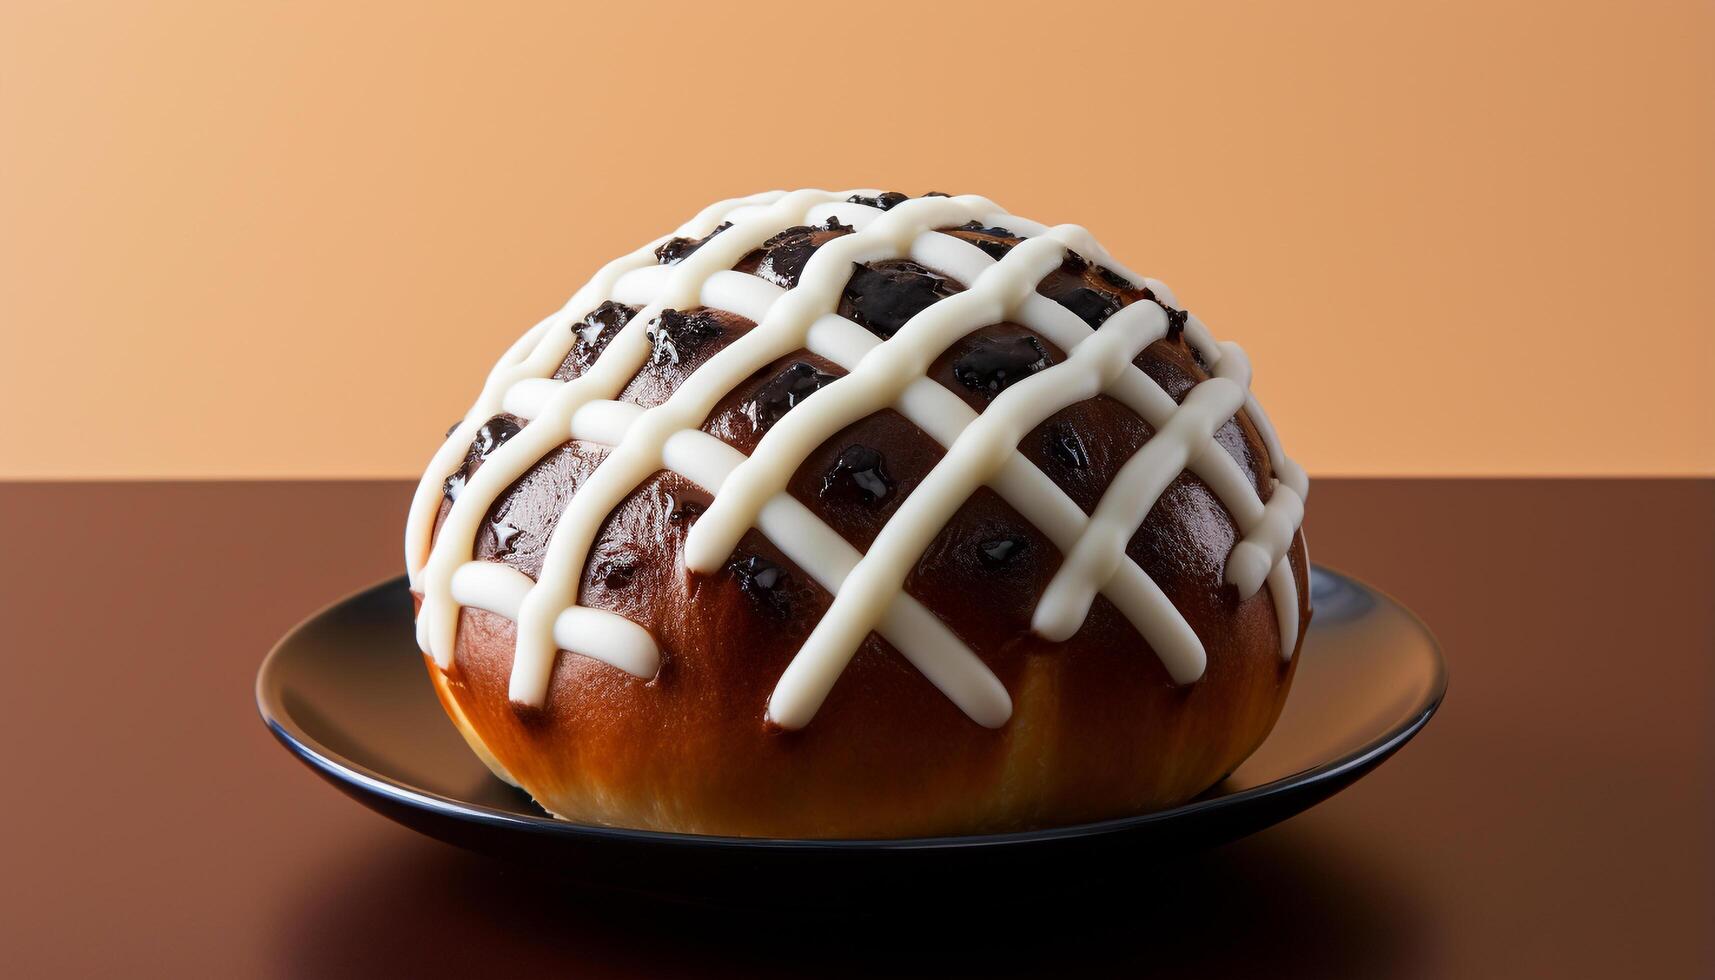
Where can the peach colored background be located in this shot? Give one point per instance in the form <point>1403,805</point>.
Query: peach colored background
<point>288,239</point>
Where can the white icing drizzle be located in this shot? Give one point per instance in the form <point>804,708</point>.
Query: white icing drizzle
<point>980,449</point>
<point>595,633</point>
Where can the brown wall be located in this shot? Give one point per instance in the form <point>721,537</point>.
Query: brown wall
<point>288,239</point>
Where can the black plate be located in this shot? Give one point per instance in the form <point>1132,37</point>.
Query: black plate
<point>347,693</point>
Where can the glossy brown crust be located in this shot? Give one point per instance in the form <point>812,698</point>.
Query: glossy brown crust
<point>1097,731</point>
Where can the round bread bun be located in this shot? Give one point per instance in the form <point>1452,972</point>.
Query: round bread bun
<point>665,700</point>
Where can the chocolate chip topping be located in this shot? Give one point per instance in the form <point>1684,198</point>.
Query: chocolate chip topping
<point>883,299</point>
<point>1175,321</point>
<point>1114,279</point>
<point>454,484</point>
<point>677,335</point>
<point>995,242</point>
<point>491,435</point>
<point>993,365</point>
<point>681,511</point>
<point>616,574</point>
<point>764,582</point>
<point>676,250</point>
<point>505,536</point>
<point>1093,306</point>
<point>785,255</point>
<point>596,330</point>
<point>982,229</point>
<point>886,201</point>
<point>858,475</point>
<point>782,393</point>
<point>1066,446</point>
<point>999,552</point>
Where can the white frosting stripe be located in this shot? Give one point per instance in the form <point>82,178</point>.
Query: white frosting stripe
<point>594,633</point>
<point>1254,557</point>
<point>1280,583</point>
<point>528,398</point>
<point>1134,491</point>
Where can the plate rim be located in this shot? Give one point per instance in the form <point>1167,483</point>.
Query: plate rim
<point>351,773</point>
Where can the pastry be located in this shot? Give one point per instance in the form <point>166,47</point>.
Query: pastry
<point>858,515</point>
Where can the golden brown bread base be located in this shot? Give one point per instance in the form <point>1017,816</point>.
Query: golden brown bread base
<point>1096,732</point>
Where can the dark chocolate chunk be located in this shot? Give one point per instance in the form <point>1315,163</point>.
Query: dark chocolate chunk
<point>1093,306</point>
<point>677,335</point>
<point>682,511</point>
<point>1197,355</point>
<point>766,583</point>
<point>455,483</point>
<point>616,574</point>
<point>993,249</point>
<point>858,475</point>
<point>1065,445</point>
<point>883,299</point>
<point>885,201</point>
<point>785,255</point>
<point>999,552</point>
<point>1113,278</point>
<point>597,329</point>
<point>1175,321</point>
<point>676,250</point>
<point>505,535</point>
<point>982,229</point>
<point>454,428</point>
<point>993,365</point>
<point>491,436</point>
<point>782,393</point>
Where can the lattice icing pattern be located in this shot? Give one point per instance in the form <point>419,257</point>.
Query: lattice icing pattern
<point>981,449</point>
